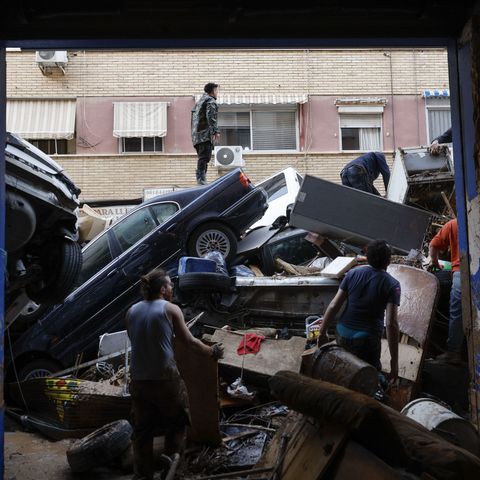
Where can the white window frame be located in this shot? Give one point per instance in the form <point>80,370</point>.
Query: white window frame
<point>435,107</point>
<point>266,108</point>
<point>121,143</point>
<point>360,151</point>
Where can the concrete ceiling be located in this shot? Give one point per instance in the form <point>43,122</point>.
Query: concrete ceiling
<point>241,19</point>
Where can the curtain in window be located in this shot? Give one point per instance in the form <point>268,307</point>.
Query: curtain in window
<point>370,139</point>
<point>438,122</point>
<point>274,130</point>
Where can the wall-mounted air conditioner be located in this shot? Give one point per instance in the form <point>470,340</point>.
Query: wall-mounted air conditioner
<point>51,58</point>
<point>228,157</point>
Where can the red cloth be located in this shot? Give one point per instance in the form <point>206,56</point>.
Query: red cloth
<point>250,343</point>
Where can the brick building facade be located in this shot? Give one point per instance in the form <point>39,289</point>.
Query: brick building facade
<point>323,108</point>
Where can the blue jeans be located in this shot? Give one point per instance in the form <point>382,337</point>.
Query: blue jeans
<point>357,177</point>
<point>455,323</point>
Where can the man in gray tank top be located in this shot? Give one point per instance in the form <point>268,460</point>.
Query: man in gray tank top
<point>159,396</point>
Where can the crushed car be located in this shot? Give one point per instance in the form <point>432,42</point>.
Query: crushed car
<point>155,234</point>
<point>44,258</point>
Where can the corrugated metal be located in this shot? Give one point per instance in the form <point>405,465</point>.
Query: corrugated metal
<point>139,119</point>
<point>260,98</point>
<point>42,119</point>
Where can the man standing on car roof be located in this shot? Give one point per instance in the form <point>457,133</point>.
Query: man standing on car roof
<point>159,397</point>
<point>371,294</point>
<point>205,130</point>
<point>361,172</point>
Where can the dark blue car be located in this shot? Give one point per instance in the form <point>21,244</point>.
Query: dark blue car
<point>154,234</point>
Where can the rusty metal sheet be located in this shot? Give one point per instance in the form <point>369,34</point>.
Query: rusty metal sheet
<point>418,301</point>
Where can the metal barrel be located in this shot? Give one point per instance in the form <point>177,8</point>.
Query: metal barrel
<point>335,365</point>
<point>438,418</point>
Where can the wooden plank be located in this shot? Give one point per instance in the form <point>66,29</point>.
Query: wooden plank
<point>200,374</point>
<point>409,360</point>
<point>339,267</point>
<point>274,355</point>
<point>311,447</point>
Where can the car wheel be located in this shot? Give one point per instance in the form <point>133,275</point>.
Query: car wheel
<point>213,236</point>
<point>100,447</point>
<point>61,266</point>
<point>39,368</point>
<point>204,282</point>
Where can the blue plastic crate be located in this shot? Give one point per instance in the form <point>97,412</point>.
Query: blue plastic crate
<point>195,264</point>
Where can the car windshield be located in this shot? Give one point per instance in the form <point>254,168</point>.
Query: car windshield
<point>275,187</point>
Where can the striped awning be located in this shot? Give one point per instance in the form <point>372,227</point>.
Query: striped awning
<point>41,119</point>
<point>139,119</point>
<point>260,98</point>
<point>436,93</point>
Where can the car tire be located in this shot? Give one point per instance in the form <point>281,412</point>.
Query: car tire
<point>62,265</point>
<point>213,236</point>
<point>204,282</point>
<point>101,447</point>
<point>39,368</point>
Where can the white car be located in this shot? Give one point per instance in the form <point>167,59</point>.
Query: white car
<point>282,189</point>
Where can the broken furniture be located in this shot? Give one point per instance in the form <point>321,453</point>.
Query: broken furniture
<point>274,355</point>
<point>341,433</point>
<point>355,217</point>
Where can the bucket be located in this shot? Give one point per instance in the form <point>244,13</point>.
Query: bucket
<point>436,417</point>
<point>335,365</point>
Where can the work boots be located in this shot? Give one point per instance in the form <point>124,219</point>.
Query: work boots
<point>201,177</point>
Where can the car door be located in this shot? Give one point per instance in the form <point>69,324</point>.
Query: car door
<point>141,242</point>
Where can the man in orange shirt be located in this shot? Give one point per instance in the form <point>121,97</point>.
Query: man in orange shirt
<point>446,238</point>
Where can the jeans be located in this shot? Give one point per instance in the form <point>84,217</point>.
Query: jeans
<point>455,323</point>
<point>204,153</point>
<point>367,348</point>
<point>357,177</point>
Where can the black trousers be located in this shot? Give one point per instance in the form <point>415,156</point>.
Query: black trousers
<point>158,407</point>
<point>204,153</point>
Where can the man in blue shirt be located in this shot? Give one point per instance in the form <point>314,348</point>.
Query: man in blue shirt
<point>361,172</point>
<point>369,291</point>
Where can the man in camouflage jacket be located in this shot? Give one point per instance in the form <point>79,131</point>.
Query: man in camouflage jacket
<point>205,130</point>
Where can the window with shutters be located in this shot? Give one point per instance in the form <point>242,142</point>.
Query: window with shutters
<point>260,128</point>
<point>438,116</point>
<point>361,131</point>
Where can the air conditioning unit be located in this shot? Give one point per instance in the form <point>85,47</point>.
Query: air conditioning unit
<point>51,58</point>
<point>228,157</point>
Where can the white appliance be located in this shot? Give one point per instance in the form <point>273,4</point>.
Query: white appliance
<point>228,157</point>
<point>51,58</point>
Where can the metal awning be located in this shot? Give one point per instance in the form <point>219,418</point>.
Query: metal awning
<point>41,119</point>
<point>436,93</point>
<point>139,119</point>
<point>260,98</point>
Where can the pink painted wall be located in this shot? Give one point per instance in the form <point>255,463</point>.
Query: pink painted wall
<point>319,124</point>
<point>321,115</point>
<point>94,124</point>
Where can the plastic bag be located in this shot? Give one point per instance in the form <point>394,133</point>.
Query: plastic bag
<point>241,271</point>
<point>217,257</point>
